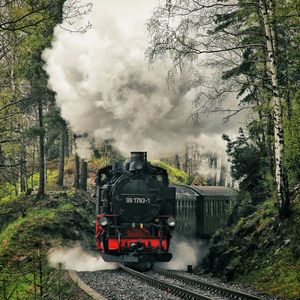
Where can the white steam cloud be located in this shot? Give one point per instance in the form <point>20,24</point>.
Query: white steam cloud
<point>105,88</point>
<point>77,259</point>
<point>83,148</point>
<point>185,251</point>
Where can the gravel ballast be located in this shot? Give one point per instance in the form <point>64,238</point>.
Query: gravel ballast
<point>117,284</point>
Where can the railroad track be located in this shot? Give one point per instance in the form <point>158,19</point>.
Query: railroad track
<point>170,288</point>
<point>210,287</point>
<point>210,290</point>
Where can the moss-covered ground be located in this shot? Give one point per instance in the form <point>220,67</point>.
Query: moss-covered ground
<point>60,214</point>
<point>29,227</point>
<point>261,250</point>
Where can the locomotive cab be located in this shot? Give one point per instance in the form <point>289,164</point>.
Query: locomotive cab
<point>135,211</point>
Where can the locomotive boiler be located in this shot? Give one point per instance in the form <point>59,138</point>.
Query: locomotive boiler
<point>135,209</point>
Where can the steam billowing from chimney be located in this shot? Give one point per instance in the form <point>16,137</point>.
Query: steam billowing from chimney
<point>105,88</point>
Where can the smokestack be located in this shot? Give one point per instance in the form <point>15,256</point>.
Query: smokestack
<point>137,161</point>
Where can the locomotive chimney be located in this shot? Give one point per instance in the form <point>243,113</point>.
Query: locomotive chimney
<point>137,161</point>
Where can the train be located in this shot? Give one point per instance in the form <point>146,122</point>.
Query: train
<point>137,210</point>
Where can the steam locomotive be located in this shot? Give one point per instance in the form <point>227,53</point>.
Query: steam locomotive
<point>135,209</point>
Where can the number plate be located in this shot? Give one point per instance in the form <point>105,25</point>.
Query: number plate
<point>138,199</point>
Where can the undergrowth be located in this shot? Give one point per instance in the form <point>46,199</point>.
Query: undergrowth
<point>29,228</point>
<point>176,176</point>
<point>261,250</point>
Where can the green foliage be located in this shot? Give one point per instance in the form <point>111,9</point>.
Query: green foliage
<point>292,132</point>
<point>34,279</point>
<point>33,180</point>
<point>21,229</point>
<point>32,227</point>
<point>260,249</point>
<point>286,277</point>
<point>9,192</point>
<point>175,176</point>
<point>27,28</point>
<point>249,164</point>
<point>25,221</point>
<point>184,30</point>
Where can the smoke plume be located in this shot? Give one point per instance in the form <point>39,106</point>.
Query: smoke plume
<point>83,148</point>
<point>185,252</point>
<point>77,259</point>
<point>105,88</point>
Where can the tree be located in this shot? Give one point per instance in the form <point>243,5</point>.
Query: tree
<point>26,28</point>
<point>249,163</point>
<point>63,135</point>
<point>41,190</point>
<point>76,182</point>
<point>76,171</point>
<point>247,39</point>
<point>83,175</point>
<point>267,13</point>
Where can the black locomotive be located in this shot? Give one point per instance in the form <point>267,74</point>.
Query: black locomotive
<point>135,211</point>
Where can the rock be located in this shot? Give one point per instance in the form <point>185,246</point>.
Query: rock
<point>21,258</point>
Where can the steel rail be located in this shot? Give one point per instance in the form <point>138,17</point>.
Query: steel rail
<point>170,288</point>
<point>213,288</point>
<point>85,287</point>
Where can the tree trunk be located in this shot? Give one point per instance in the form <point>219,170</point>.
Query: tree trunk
<point>186,158</point>
<point>270,39</point>
<point>177,162</point>
<point>76,172</point>
<point>33,166</point>
<point>63,130</point>
<point>83,177</point>
<point>22,186</point>
<point>67,144</point>
<point>41,190</point>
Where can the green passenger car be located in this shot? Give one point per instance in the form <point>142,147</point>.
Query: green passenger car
<point>201,210</point>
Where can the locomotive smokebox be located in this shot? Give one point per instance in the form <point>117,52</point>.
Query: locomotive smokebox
<point>137,161</point>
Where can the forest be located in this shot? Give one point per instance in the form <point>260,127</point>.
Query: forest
<point>255,45</point>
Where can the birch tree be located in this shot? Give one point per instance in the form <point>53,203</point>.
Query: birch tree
<point>266,9</point>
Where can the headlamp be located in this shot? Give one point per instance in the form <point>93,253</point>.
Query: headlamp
<point>103,221</point>
<point>171,221</point>
<point>133,246</point>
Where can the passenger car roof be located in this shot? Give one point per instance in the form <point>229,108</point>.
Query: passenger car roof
<point>204,190</point>
<point>214,190</point>
<point>185,189</point>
